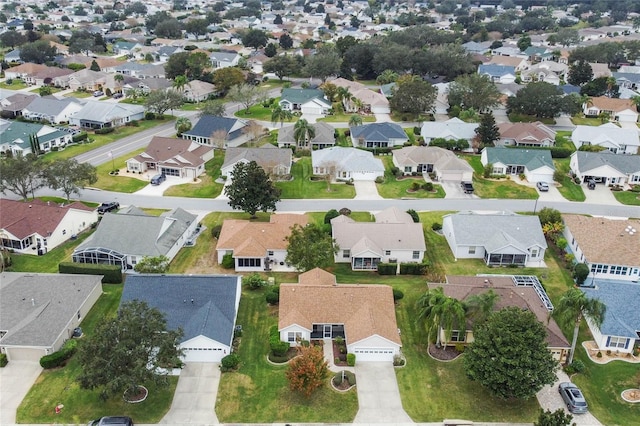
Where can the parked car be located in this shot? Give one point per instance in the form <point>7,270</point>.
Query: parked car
<point>591,184</point>
<point>573,398</point>
<point>112,421</point>
<point>117,95</point>
<point>98,93</point>
<point>467,187</point>
<point>107,207</point>
<point>158,179</point>
<point>542,186</point>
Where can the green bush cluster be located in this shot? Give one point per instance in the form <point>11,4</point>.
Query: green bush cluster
<point>3,360</point>
<point>149,115</point>
<point>58,358</point>
<point>104,130</point>
<point>215,231</point>
<point>330,215</point>
<point>412,268</point>
<point>228,262</point>
<point>112,274</point>
<point>351,360</point>
<point>229,362</point>
<point>436,226</point>
<point>278,347</point>
<point>387,268</point>
<point>397,294</point>
<point>414,214</point>
<point>349,377</point>
<point>273,295</point>
<point>576,366</point>
<point>254,281</point>
<point>80,137</point>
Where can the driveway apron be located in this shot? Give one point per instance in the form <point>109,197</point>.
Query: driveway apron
<point>15,381</point>
<point>195,398</point>
<point>378,394</point>
<point>550,399</point>
<point>366,190</point>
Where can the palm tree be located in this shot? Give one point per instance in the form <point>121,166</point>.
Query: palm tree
<point>303,132</point>
<point>280,114</point>
<point>573,306</point>
<point>118,78</point>
<point>343,93</point>
<point>481,305</point>
<point>183,124</point>
<point>179,82</point>
<point>440,312</point>
<point>355,120</point>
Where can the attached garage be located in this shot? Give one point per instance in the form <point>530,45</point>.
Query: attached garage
<point>312,109</point>
<point>203,349</point>
<point>365,175</point>
<point>24,354</point>
<point>374,354</point>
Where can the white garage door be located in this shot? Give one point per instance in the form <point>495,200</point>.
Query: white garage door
<point>452,176</point>
<point>312,110</point>
<point>373,354</point>
<point>540,177</point>
<point>203,354</point>
<point>363,176</point>
<point>24,354</point>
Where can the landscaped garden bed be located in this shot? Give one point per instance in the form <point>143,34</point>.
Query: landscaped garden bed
<point>444,353</point>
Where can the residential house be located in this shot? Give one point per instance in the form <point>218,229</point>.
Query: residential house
<point>13,57</point>
<point>324,137</point>
<point>98,115</point>
<point>345,164</point>
<point>205,307</point>
<point>221,132</point>
<point>36,226</point>
<point>392,238</point>
<point>499,239</point>
<point>17,137</point>
<point>606,168</point>
<point>362,98</point>
<point>627,80</point>
<point>609,247</point>
<point>23,70</point>
<point>442,163</point>
<point>47,76</point>
<point>224,59</point>
<point>475,47</point>
<point>121,48</point>
<point>547,71</point>
<point>171,157</point>
<point>39,312</point>
<point>51,109</point>
<point>307,101</point>
<point>600,70</point>
<point>452,129</point>
<point>519,64</point>
<point>526,134</point>
<point>258,246</point>
<point>256,62</point>
<point>498,73</point>
<point>12,105</point>
<point>608,136</point>
<point>86,79</point>
<point>535,164</point>
<point>124,238</point>
<point>522,291</point>
<point>198,91</point>
<point>361,314</point>
<point>538,53</point>
<point>149,84</point>
<point>163,53</point>
<point>622,110</point>
<point>378,135</point>
<point>620,330</point>
<point>276,162</point>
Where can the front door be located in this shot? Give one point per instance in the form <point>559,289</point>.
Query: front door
<point>327,331</point>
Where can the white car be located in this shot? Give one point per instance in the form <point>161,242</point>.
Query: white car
<point>542,186</point>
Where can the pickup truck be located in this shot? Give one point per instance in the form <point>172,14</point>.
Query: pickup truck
<point>467,187</point>
<point>107,207</point>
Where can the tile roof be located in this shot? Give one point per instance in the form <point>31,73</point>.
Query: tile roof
<point>364,309</point>
<point>622,316</point>
<point>605,240</point>
<point>173,151</point>
<point>212,312</point>
<point>612,104</point>
<point>441,158</point>
<point>531,158</point>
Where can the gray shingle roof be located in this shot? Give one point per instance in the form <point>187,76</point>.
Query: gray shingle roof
<point>56,300</point>
<point>324,134</point>
<point>300,96</point>
<point>106,111</point>
<point>212,312</point>
<point>531,158</point>
<point>626,164</point>
<point>622,317</point>
<point>208,124</point>
<point>50,105</point>
<point>264,157</point>
<point>378,132</point>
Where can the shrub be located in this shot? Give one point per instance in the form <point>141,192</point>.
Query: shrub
<point>412,268</point>
<point>635,188</point>
<point>398,361</point>
<point>396,171</point>
<point>436,226</point>
<point>397,294</point>
<point>417,130</point>
<point>379,179</point>
<point>487,170</point>
<point>387,268</point>
<point>330,215</point>
<point>415,186</point>
<point>578,366</point>
<point>580,273</point>
<point>560,152</point>
<point>80,137</point>
<point>60,357</point>
<point>305,343</point>
<point>229,362</point>
<point>609,352</point>
<point>460,347</point>
<point>3,360</point>
<point>254,281</point>
<point>345,211</point>
<point>351,360</point>
<point>427,186</point>
<point>104,130</point>
<point>149,115</point>
<point>599,354</point>
<point>278,347</point>
<point>414,215</point>
<point>215,231</point>
<point>112,274</point>
<point>228,262</point>
<point>273,296</point>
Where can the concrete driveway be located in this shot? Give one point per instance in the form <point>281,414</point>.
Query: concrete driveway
<point>627,125</point>
<point>454,190</point>
<point>550,399</point>
<point>366,190</point>
<point>195,398</point>
<point>15,381</point>
<point>378,394</point>
<point>600,195</point>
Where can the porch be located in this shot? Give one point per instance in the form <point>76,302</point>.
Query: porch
<point>505,259</point>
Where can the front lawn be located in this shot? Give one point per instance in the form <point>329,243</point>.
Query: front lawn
<point>586,121</point>
<point>207,187</point>
<point>118,183</point>
<point>504,188</point>
<point>78,94</point>
<point>260,113</point>
<point>523,118</point>
<point>563,140</point>
<point>60,385</point>
<point>345,117</point>
<point>395,188</point>
<point>627,197</point>
<point>16,84</point>
<point>568,188</point>
<point>303,187</point>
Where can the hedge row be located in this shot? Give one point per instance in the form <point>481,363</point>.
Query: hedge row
<point>58,358</point>
<point>412,268</point>
<point>278,347</point>
<point>387,268</point>
<point>104,130</point>
<point>82,136</point>
<point>112,273</point>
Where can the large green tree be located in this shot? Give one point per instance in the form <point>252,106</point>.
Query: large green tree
<point>255,38</point>
<point>281,66</point>
<point>227,77</point>
<point>197,27</point>
<point>325,63</point>
<point>251,190</point>
<point>488,132</point>
<point>413,96</point>
<point>556,418</point>
<point>152,265</point>
<point>37,52</point>
<point>21,174</point>
<point>247,94</point>
<point>310,247</point>
<point>475,91</point>
<point>160,101</point>
<point>308,371</point>
<point>69,176</point>
<point>215,107</point>
<point>539,99</point>
<point>127,350</point>
<point>580,73</point>
<point>440,313</point>
<point>573,307</point>
<point>509,354</point>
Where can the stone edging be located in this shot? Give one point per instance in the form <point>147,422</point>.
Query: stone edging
<point>340,390</point>
<point>137,402</point>
<point>444,360</point>
<point>632,360</point>
<point>277,363</point>
<point>629,401</point>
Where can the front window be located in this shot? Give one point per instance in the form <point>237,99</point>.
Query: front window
<point>407,169</point>
<point>618,270</point>
<point>387,252</point>
<point>457,336</point>
<point>294,336</point>
<point>597,268</point>
<point>416,255</point>
<point>249,263</point>
<point>472,250</point>
<point>346,254</point>
<point>617,342</point>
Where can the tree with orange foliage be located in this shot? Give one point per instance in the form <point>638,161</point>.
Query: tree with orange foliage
<point>308,371</point>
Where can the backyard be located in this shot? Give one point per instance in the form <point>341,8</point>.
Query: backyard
<point>303,187</point>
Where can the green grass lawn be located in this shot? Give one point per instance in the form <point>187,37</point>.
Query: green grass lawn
<point>16,84</point>
<point>586,121</point>
<point>345,117</point>
<point>627,197</point>
<point>394,188</point>
<point>78,94</point>
<point>504,188</point>
<point>207,187</point>
<point>563,140</point>
<point>568,188</point>
<point>302,187</point>
<point>522,118</point>
<point>118,183</point>
<point>53,90</point>
<point>191,106</point>
<point>260,113</point>
<point>60,386</point>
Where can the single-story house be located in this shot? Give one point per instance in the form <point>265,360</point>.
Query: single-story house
<point>361,314</point>
<point>618,109</point>
<point>307,101</point>
<point>535,164</point>
<point>205,307</point>
<point>220,132</point>
<point>523,291</point>
<point>500,239</point>
<point>368,100</point>
<point>609,246</point>
<point>518,63</point>
<point>23,70</point>
<point>98,115</point>
<point>224,59</point>
<point>51,109</point>
<point>620,330</point>
<point>605,167</point>
<point>609,136</point>
<point>198,91</point>
<point>258,246</point>
<point>324,136</point>
<point>547,71</point>
<point>392,238</point>
<point>378,135</point>
<point>36,226</point>
<point>39,312</point>
<point>47,77</point>
<point>627,80</point>
<point>171,157</point>
<point>498,73</point>
<point>84,79</point>
<point>346,163</point>
<point>11,106</point>
<point>526,134</point>
<point>432,159</point>
<point>600,70</point>
<point>276,162</point>
<point>17,137</point>
<point>125,238</point>
<point>452,129</point>
<point>125,47</point>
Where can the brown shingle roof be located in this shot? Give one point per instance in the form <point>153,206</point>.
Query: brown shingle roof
<point>521,131</point>
<point>612,104</point>
<point>365,310</point>
<point>605,241</point>
<point>177,151</point>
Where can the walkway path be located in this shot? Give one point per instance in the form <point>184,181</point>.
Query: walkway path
<point>378,394</point>
<point>195,398</point>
